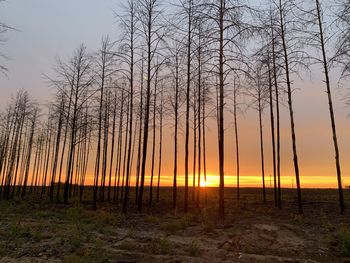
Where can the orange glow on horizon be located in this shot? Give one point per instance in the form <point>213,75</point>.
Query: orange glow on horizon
<point>245,181</point>
<point>203,184</point>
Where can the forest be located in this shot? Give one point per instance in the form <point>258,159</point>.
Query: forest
<point>96,150</point>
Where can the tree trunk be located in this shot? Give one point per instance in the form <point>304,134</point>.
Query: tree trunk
<point>204,149</point>
<point>291,113</point>
<point>132,27</point>
<point>105,147</point>
<point>277,193</point>
<point>112,148</point>
<point>120,139</point>
<point>176,130</point>
<point>140,136</point>
<point>194,144</point>
<point>64,144</point>
<point>154,138</point>
<point>199,122</point>
<point>160,141</point>
<point>272,121</point>
<point>236,139</point>
<point>188,85</point>
<point>331,110</point>
<point>221,111</point>
<point>125,148</point>
<point>30,147</point>
<point>262,148</point>
<point>148,98</point>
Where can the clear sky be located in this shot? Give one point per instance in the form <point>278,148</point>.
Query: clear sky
<point>51,28</point>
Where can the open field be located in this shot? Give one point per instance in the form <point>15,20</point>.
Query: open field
<point>35,230</point>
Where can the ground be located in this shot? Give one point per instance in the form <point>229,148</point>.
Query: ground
<point>35,230</point>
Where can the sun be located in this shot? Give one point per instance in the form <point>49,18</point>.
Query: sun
<point>203,184</point>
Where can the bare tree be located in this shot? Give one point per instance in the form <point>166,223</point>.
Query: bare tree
<point>259,91</point>
<point>105,65</point>
<point>149,14</point>
<point>30,148</point>
<point>236,134</point>
<point>126,55</point>
<point>342,55</point>
<point>60,121</point>
<point>160,138</point>
<point>80,67</point>
<point>275,71</point>
<point>4,28</point>
<point>114,116</point>
<point>227,32</point>
<point>140,131</point>
<point>119,147</point>
<point>320,37</point>
<point>175,59</point>
<point>287,34</point>
<point>189,11</point>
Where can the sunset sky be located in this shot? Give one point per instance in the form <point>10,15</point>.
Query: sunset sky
<point>48,29</point>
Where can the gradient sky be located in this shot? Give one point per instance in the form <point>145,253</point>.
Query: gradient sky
<point>51,28</point>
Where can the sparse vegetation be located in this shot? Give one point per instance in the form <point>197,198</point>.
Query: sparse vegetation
<point>208,223</point>
<point>128,245</point>
<point>160,246</point>
<point>344,236</point>
<point>75,234</point>
<point>18,230</point>
<point>194,249</point>
<point>173,226</point>
<point>152,219</point>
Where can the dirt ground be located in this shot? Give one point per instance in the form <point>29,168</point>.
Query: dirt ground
<point>35,230</point>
